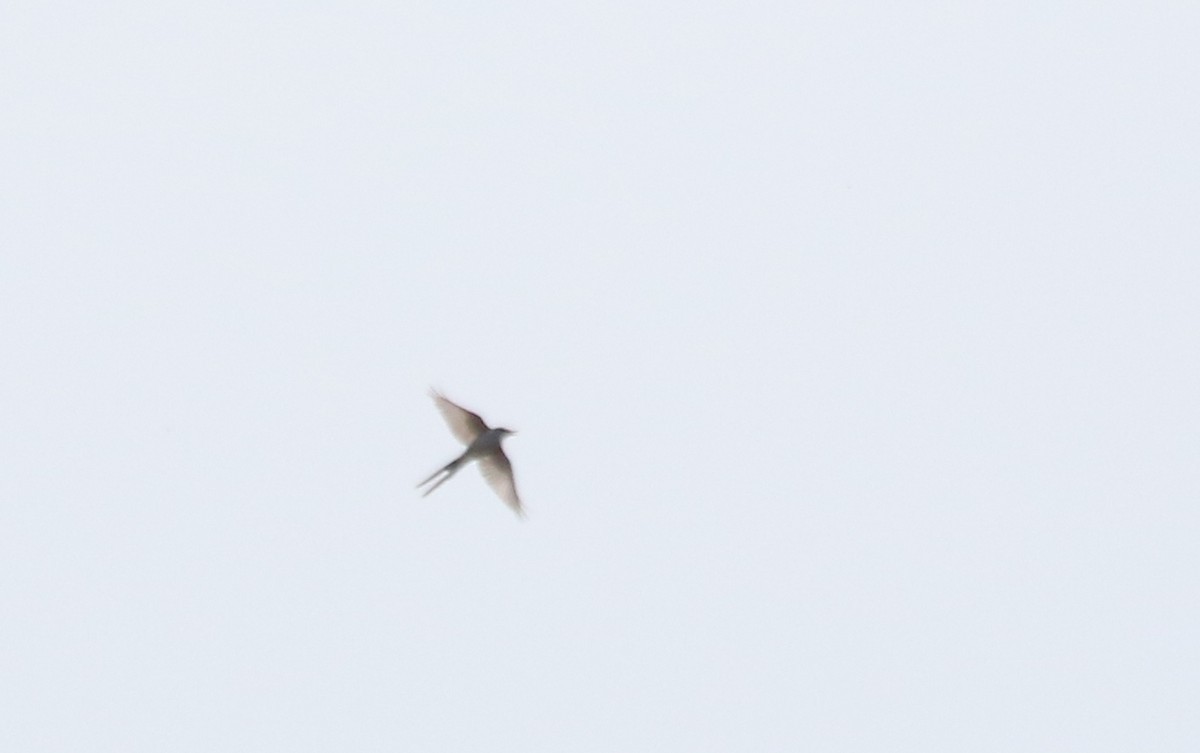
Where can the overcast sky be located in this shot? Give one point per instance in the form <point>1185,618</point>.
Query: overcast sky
<point>853,351</point>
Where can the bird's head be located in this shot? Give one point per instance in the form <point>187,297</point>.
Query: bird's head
<point>504,432</point>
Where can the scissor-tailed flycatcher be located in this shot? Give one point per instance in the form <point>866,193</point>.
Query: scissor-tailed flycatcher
<point>483,444</point>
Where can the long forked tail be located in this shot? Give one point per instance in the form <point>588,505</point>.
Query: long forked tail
<point>446,471</point>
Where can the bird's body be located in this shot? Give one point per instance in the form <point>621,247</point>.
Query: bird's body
<point>483,445</point>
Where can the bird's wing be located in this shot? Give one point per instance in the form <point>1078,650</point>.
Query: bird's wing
<point>497,471</point>
<point>464,424</point>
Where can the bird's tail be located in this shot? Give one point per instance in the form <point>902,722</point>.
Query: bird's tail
<point>446,471</point>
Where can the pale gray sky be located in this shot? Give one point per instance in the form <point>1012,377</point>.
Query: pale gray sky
<point>853,354</point>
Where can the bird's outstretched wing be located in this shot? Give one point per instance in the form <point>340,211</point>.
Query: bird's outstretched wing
<point>464,424</point>
<point>497,471</point>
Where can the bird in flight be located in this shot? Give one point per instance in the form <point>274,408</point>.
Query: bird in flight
<point>483,444</point>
